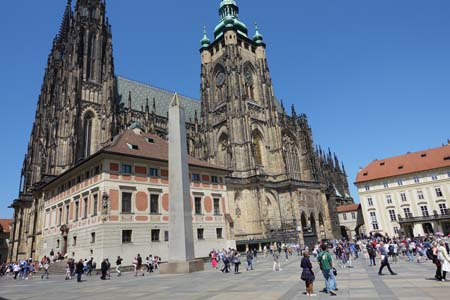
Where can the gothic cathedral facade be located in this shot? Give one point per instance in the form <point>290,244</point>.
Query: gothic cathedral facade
<point>281,187</point>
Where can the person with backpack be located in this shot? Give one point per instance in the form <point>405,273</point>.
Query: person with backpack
<point>372,254</point>
<point>432,254</point>
<point>307,274</point>
<point>326,265</point>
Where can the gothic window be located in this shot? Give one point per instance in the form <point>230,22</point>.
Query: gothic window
<point>219,78</point>
<point>257,147</point>
<point>249,80</point>
<point>90,68</point>
<point>87,135</point>
<point>223,152</point>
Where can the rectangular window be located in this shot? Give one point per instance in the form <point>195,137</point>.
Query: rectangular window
<point>367,188</point>
<point>416,179</point>
<point>95,205</point>
<point>126,202</point>
<point>392,215</point>
<point>57,243</point>
<point>155,235</point>
<point>196,177</point>
<point>344,216</point>
<point>92,237</point>
<point>126,169</point>
<point>200,234</point>
<point>424,210</point>
<point>400,182</point>
<point>353,215</point>
<point>126,236</point>
<point>386,185</point>
<point>154,204</point>
<point>448,174</point>
<point>198,205</point>
<point>153,172</point>
<point>216,206</point>
<point>74,241</point>
<point>373,217</point>
<point>434,177</point>
<point>67,214</point>
<point>420,195</point>
<point>214,179</point>
<point>407,212</point>
<point>77,210</point>
<point>370,201</point>
<point>403,196</point>
<point>438,192</point>
<point>396,230</point>
<point>85,208</point>
<point>443,209</point>
<point>166,236</point>
<point>388,199</point>
<point>60,216</point>
<point>219,233</point>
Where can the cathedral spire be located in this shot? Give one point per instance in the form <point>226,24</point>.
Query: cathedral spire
<point>65,23</point>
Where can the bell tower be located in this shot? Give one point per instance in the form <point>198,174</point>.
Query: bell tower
<point>239,111</point>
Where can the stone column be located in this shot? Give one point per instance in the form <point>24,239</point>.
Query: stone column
<point>181,240</point>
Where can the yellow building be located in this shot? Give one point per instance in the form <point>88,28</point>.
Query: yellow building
<point>407,195</point>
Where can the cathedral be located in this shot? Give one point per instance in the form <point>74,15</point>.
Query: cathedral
<point>281,187</point>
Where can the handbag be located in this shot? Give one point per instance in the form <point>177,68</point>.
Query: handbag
<point>334,272</point>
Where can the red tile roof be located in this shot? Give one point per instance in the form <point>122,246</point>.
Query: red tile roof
<point>347,208</point>
<point>4,224</point>
<point>406,164</point>
<point>157,148</point>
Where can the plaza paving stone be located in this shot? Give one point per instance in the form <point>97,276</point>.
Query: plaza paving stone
<point>361,282</point>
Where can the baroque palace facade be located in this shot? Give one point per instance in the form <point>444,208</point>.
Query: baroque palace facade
<point>280,186</point>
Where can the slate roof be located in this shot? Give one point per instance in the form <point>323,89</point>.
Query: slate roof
<point>140,92</point>
<point>406,164</point>
<point>157,149</point>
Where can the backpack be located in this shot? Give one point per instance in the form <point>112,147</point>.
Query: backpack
<point>391,249</point>
<point>430,254</point>
<point>370,249</point>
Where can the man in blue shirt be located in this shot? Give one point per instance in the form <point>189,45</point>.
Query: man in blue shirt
<point>384,259</point>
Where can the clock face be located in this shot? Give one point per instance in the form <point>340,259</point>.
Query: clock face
<point>220,79</point>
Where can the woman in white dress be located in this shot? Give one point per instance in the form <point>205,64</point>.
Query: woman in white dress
<point>445,259</point>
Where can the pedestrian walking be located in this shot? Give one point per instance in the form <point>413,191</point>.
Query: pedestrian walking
<point>118,265</point>
<point>237,262</point>
<point>307,274</point>
<point>372,254</point>
<point>326,265</point>
<point>384,259</point>
<point>276,261</point>
<point>45,267</point>
<point>104,269</point>
<point>139,265</point>
<point>79,270</point>
<point>444,258</point>
<point>249,261</point>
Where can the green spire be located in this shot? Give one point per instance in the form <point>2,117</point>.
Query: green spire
<point>258,37</point>
<point>229,18</point>
<point>205,41</point>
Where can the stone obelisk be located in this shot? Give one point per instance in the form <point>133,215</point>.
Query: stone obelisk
<point>181,239</point>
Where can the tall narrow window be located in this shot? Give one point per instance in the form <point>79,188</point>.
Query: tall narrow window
<point>439,192</point>
<point>443,209</point>
<point>403,196</point>
<point>198,206</point>
<point>257,148</point>
<point>407,212</point>
<point>77,210</point>
<point>85,208</point>
<point>388,199</point>
<point>216,206</point>
<point>420,195</point>
<point>67,213</point>
<point>392,215</point>
<point>370,201</point>
<point>154,204</point>
<point>87,136</point>
<point>60,215</point>
<point>95,205</point>
<point>373,217</point>
<point>126,202</point>
<point>424,210</point>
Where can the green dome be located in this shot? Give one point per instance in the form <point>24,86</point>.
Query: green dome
<point>258,37</point>
<point>229,12</point>
<point>205,42</point>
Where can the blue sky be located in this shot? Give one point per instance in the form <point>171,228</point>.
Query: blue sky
<point>372,76</point>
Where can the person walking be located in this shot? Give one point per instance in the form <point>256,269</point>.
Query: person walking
<point>214,259</point>
<point>118,265</point>
<point>68,273</point>
<point>384,259</point>
<point>46,267</point>
<point>433,255</point>
<point>249,261</point>
<point>139,265</point>
<point>79,270</point>
<point>326,265</point>
<point>276,261</point>
<point>104,268</point>
<point>444,258</point>
<point>307,274</point>
<point>372,254</point>
<point>236,261</point>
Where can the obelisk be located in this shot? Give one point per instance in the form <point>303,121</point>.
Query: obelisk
<point>181,239</point>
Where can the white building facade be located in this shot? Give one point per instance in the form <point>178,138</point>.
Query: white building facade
<point>407,195</point>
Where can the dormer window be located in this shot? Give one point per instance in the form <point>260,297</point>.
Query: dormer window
<point>133,147</point>
<point>400,167</point>
<point>447,158</point>
<point>150,140</point>
<point>423,155</point>
<point>382,164</point>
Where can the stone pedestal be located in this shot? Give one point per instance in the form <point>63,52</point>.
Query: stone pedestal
<point>182,267</point>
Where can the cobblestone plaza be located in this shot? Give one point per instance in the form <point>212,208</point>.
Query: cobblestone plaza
<point>361,282</point>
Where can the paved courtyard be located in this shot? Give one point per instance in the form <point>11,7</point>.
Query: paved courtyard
<point>361,282</point>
